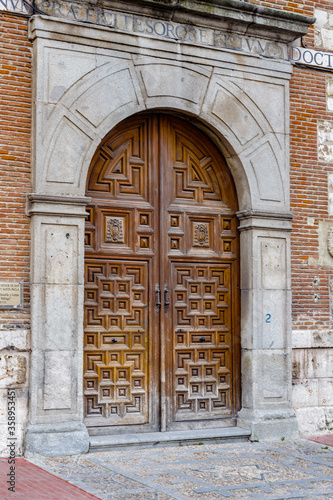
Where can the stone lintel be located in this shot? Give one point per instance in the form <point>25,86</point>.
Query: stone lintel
<point>232,14</point>
<point>68,206</point>
<point>256,219</point>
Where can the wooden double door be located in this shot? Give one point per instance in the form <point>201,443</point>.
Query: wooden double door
<point>161,343</point>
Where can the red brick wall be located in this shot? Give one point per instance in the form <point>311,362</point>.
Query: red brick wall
<point>309,198</point>
<point>309,181</point>
<point>15,132</point>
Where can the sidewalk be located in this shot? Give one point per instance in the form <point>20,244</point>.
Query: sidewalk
<point>275,470</point>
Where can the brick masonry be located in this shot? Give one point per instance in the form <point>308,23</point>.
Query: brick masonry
<point>15,182</point>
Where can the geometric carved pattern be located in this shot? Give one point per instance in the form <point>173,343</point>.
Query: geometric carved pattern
<point>162,200</point>
<point>119,167</point>
<point>202,344</point>
<point>116,341</point>
<point>194,176</point>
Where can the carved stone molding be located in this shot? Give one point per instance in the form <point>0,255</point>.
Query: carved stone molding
<point>257,219</point>
<point>43,204</point>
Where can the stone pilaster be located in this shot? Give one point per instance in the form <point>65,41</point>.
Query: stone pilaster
<point>55,424</point>
<point>266,325</point>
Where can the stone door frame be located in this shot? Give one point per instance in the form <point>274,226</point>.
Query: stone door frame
<point>86,80</point>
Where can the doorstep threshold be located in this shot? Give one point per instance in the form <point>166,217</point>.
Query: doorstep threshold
<point>171,438</point>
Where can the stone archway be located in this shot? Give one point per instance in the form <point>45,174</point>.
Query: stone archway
<point>247,118</point>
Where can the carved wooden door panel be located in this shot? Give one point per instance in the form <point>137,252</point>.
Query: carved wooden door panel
<point>120,360</point>
<point>198,213</point>
<point>161,319</point>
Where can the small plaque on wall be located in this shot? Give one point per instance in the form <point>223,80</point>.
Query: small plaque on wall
<point>11,295</point>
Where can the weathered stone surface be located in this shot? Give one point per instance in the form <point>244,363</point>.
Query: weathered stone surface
<point>58,371</point>
<point>13,370</point>
<point>311,420</point>
<point>21,417</point>
<point>325,141</point>
<point>319,363</point>
<point>53,441</point>
<point>323,29</point>
<point>312,338</point>
<point>324,228</point>
<point>305,393</point>
<point>329,100</point>
<point>17,339</point>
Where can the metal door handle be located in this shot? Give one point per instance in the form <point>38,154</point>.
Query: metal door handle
<point>166,296</point>
<point>158,295</point>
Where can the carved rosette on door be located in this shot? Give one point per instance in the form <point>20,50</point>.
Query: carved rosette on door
<point>161,269</point>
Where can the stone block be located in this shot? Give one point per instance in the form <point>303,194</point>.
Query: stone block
<point>305,393</point>
<point>301,339</point>
<point>95,103</point>
<point>64,69</point>
<point>174,81</point>
<point>273,263</point>
<point>21,416</point>
<point>56,440</point>
<point>324,228</point>
<point>60,316</point>
<point>298,364</point>
<point>228,107</point>
<point>248,318</point>
<point>58,382</point>
<point>329,418</point>
<point>323,29</point>
<point>66,153</point>
<point>13,370</point>
<point>322,338</point>
<point>311,420</point>
<point>329,102</point>
<point>319,363</point>
<point>326,391</point>
<point>272,377</point>
<point>269,102</point>
<point>61,253</point>
<point>247,364</point>
<point>14,339</point>
<point>266,426</point>
<point>264,162</point>
<point>274,319</point>
<point>325,140</point>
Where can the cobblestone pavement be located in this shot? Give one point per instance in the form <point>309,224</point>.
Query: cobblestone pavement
<point>275,470</point>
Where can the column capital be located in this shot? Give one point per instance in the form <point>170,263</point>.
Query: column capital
<point>56,205</point>
<point>259,219</point>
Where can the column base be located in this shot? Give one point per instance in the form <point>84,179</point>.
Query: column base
<point>271,425</point>
<point>52,440</point>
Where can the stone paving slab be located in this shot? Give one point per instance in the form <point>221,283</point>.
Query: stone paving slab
<point>275,470</point>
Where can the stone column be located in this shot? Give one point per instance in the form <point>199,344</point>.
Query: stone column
<point>266,325</point>
<point>57,285</point>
